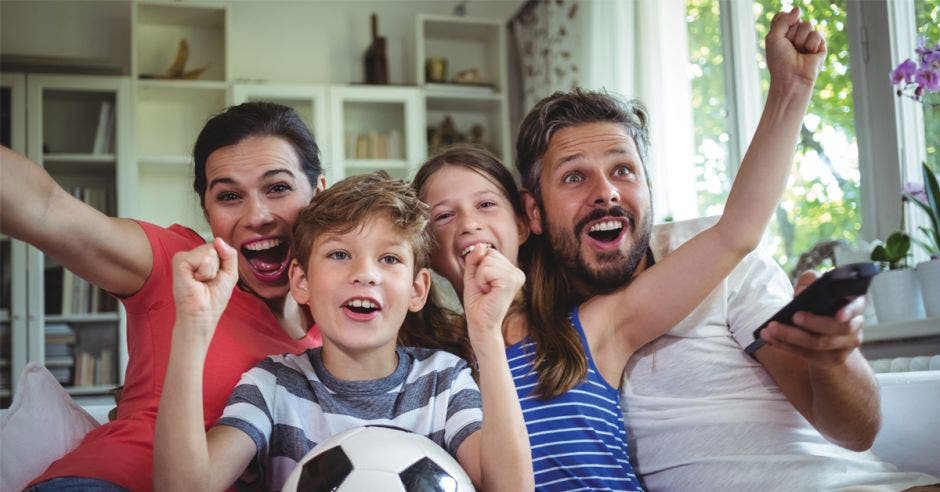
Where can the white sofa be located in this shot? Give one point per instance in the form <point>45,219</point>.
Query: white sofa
<point>909,437</point>
<point>910,431</point>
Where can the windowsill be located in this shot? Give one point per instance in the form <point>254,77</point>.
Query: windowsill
<point>920,328</point>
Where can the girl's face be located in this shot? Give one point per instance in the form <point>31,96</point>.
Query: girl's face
<point>466,209</point>
<point>256,188</point>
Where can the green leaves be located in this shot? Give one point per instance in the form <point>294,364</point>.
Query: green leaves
<point>932,207</point>
<point>894,252</point>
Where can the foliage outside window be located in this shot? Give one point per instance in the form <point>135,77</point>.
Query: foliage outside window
<point>710,114</point>
<point>822,197</point>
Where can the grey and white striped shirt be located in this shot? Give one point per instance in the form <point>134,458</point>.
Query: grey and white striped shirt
<point>288,404</point>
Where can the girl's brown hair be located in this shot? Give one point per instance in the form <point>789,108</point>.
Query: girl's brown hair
<point>559,356</point>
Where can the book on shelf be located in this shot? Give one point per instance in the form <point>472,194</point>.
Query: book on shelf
<point>84,369</point>
<point>77,295</point>
<point>105,129</point>
<point>94,370</point>
<point>5,373</point>
<point>104,368</point>
<point>374,145</point>
<point>394,145</point>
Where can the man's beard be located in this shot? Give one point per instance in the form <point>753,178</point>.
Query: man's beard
<point>613,268</point>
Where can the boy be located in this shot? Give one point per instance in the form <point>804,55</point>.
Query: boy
<point>362,251</point>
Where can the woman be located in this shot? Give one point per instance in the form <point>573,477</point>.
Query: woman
<point>256,167</point>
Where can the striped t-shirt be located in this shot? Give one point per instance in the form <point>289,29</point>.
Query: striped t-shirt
<point>289,403</point>
<point>578,439</point>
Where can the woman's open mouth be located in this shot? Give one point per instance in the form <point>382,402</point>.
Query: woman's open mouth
<point>268,259</point>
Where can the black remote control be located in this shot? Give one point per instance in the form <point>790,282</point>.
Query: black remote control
<point>825,296</point>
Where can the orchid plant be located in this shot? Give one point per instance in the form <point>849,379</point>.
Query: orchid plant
<point>927,197</point>
<point>913,80</point>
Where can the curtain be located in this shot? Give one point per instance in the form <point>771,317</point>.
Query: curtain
<point>631,48</point>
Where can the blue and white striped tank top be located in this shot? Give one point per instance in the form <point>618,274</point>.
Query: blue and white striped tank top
<point>578,439</point>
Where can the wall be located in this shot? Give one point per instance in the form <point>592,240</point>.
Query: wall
<point>314,41</point>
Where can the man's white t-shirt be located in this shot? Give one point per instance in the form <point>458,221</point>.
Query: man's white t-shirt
<point>703,415</point>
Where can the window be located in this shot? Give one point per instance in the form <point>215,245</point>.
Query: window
<point>927,15</point>
<point>827,189</point>
<point>822,198</point>
<point>711,111</point>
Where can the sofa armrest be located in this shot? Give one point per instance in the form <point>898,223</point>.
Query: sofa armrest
<point>910,432</point>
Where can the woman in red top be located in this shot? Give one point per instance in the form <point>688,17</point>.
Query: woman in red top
<point>256,167</point>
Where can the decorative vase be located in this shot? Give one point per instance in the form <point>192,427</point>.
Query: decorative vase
<point>928,274</point>
<point>897,296</point>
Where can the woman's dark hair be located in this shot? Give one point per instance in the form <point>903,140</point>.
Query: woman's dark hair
<point>255,119</point>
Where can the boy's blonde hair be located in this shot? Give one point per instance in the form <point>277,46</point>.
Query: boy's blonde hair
<point>352,202</point>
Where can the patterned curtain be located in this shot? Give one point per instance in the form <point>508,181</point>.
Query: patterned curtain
<point>548,47</point>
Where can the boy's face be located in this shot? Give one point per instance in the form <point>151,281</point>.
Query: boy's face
<point>360,286</point>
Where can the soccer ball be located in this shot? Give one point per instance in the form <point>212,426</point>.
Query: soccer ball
<point>378,458</point>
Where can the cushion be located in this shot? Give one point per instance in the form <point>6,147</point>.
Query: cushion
<point>41,425</point>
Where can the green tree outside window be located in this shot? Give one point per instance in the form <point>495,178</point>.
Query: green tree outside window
<point>822,198</point>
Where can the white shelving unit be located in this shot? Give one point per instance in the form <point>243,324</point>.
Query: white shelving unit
<point>466,44</point>
<point>308,100</point>
<point>169,113</point>
<point>72,125</point>
<point>362,117</point>
<point>13,273</point>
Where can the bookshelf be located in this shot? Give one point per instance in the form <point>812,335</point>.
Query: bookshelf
<point>359,129</point>
<point>308,100</point>
<point>170,112</point>
<point>478,111</point>
<point>72,130</point>
<point>375,128</point>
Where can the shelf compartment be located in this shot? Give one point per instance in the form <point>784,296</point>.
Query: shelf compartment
<point>160,27</point>
<point>171,186</point>
<point>465,116</point>
<point>170,116</point>
<point>74,120</point>
<point>465,43</point>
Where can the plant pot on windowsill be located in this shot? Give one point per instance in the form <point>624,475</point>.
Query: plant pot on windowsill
<point>897,296</point>
<point>928,275</point>
<point>896,291</point>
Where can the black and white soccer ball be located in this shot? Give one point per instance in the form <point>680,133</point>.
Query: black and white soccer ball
<point>377,458</point>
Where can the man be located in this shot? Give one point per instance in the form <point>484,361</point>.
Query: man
<point>703,414</point>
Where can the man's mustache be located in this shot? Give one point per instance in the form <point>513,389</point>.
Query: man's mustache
<point>598,214</point>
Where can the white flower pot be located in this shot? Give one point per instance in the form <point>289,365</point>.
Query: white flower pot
<point>897,296</point>
<point>928,274</point>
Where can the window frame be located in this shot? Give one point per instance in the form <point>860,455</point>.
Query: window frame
<point>881,34</point>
